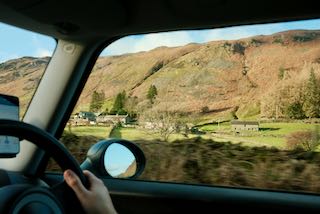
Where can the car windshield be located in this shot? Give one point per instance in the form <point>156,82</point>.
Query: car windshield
<point>24,56</point>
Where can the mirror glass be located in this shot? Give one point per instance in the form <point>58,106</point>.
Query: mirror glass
<point>119,161</point>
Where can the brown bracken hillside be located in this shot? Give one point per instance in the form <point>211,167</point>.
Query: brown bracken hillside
<point>222,75</point>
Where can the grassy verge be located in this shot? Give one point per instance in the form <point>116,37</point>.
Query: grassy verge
<point>205,161</point>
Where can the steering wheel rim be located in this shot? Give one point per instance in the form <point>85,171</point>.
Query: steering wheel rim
<point>49,144</point>
<point>44,141</point>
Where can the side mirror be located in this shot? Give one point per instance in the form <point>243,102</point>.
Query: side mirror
<point>115,158</point>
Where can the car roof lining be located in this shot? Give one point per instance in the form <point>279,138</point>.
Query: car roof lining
<point>78,20</point>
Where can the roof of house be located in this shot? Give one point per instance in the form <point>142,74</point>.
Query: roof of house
<point>238,122</point>
<point>113,116</point>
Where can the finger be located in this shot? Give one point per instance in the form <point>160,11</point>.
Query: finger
<point>93,180</point>
<point>91,177</point>
<point>74,182</point>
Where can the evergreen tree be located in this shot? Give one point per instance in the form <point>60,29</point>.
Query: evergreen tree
<point>152,93</point>
<point>97,100</point>
<point>311,104</point>
<point>295,111</point>
<point>119,103</point>
<point>131,106</point>
<point>281,73</point>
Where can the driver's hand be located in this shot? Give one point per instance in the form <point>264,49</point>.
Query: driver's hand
<point>96,199</point>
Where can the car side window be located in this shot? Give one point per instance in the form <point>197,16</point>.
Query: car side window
<point>236,106</point>
<point>24,56</point>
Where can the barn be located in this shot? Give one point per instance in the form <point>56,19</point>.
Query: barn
<point>237,125</point>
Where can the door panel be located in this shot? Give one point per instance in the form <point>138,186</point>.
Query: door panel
<point>131,196</point>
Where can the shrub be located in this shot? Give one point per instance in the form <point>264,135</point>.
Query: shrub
<point>281,73</point>
<point>156,67</point>
<point>121,112</point>
<point>278,40</point>
<point>205,109</point>
<point>306,37</point>
<point>307,140</point>
<point>234,113</point>
<point>238,48</point>
<point>256,42</point>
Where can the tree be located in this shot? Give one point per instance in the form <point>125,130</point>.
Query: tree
<point>295,111</point>
<point>119,103</point>
<point>311,104</point>
<point>97,100</point>
<point>234,112</point>
<point>164,123</point>
<point>307,140</point>
<point>131,106</point>
<point>205,109</point>
<point>273,104</point>
<point>152,93</point>
<point>281,73</point>
<point>238,48</point>
<point>285,101</point>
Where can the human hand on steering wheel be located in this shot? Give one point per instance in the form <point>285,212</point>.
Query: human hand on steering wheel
<point>59,198</point>
<point>96,198</point>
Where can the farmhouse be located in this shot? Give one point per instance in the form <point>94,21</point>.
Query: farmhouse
<point>237,125</point>
<point>83,118</point>
<point>113,119</point>
<point>86,115</point>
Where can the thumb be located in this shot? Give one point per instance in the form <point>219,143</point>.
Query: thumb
<point>74,182</point>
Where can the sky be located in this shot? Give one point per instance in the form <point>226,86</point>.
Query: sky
<point>117,159</point>
<point>16,43</point>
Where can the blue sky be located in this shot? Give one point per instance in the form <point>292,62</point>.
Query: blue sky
<point>15,43</point>
<point>117,159</point>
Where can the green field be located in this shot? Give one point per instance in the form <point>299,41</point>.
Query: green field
<point>142,134</point>
<point>97,131</point>
<point>266,128</point>
<point>270,134</point>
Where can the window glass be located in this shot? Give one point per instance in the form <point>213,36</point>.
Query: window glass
<point>24,56</point>
<point>236,106</point>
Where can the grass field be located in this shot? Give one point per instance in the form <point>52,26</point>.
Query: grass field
<point>219,157</point>
<point>141,134</point>
<point>97,131</point>
<point>266,128</point>
<point>270,134</point>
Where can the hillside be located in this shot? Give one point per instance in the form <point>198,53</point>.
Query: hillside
<point>20,77</point>
<point>130,171</point>
<point>224,76</point>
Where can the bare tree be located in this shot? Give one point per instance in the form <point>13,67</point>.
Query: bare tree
<point>164,123</point>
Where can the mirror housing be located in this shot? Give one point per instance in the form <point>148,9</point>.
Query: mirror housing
<point>99,152</point>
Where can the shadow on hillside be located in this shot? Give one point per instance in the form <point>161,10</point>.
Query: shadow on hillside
<point>269,129</point>
<point>216,110</point>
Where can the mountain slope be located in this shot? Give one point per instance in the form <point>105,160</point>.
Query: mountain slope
<point>220,75</point>
<point>20,77</point>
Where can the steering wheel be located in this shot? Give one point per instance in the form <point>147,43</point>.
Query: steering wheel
<point>32,198</point>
